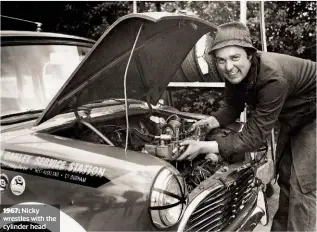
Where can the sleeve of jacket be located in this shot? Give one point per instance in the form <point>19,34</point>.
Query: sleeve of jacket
<point>233,105</point>
<point>271,97</point>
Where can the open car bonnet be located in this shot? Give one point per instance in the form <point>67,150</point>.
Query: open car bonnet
<point>162,41</point>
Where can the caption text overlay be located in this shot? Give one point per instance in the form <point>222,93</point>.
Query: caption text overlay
<point>27,217</point>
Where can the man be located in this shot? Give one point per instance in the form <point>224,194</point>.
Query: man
<point>279,87</point>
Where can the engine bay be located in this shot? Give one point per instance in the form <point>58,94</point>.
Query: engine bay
<point>155,135</point>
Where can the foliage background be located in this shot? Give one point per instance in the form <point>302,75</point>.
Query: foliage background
<point>290,27</point>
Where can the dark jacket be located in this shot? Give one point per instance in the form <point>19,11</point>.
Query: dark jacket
<point>279,87</point>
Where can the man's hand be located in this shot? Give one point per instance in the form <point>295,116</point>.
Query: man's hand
<point>207,124</point>
<point>194,148</point>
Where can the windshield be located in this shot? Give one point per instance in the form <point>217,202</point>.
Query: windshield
<point>32,74</point>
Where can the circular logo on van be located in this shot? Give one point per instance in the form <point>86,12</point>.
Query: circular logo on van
<point>17,185</point>
<point>4,182</point>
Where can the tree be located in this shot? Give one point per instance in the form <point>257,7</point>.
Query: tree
<point>47,13</point>
<point>290,26</point>
<point>295,32</point>
<point>91,19</point>
<point>88,18</point>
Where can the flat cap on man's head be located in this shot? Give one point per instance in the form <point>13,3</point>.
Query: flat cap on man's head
<point>233,33</point>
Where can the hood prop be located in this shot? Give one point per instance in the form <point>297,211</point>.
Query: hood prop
<point>82,121</point>
<point>125,88</point>
<point>150,107</point>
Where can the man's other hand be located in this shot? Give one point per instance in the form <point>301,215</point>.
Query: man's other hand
<point>207,124</point>
<point>194,148</point>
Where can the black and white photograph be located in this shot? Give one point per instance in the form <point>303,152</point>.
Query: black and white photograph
<point>177,116</point>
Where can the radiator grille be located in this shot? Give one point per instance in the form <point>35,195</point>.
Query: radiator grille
<point>222,205</point>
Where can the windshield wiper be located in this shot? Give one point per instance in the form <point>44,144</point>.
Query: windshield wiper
<point>111,102</point>
<point>28,115</point>
<point>21,113</point>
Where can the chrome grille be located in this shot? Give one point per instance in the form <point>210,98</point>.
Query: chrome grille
<point>222,205</point>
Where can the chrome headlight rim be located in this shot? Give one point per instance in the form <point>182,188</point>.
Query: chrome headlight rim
<point>158,189</point>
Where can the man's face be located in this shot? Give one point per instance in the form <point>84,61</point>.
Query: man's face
<point>233,63</point>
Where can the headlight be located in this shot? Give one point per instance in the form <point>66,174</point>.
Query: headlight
<point>167,199</point>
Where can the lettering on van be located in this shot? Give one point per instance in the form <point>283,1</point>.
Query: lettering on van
<point>63,170</point>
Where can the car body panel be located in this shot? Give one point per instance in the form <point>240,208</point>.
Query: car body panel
<point>122,190</point>
<point>96,209</point>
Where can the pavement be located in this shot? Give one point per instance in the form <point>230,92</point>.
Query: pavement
<point>272,204</point>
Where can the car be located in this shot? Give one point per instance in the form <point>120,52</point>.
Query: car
<point>104,153</point>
